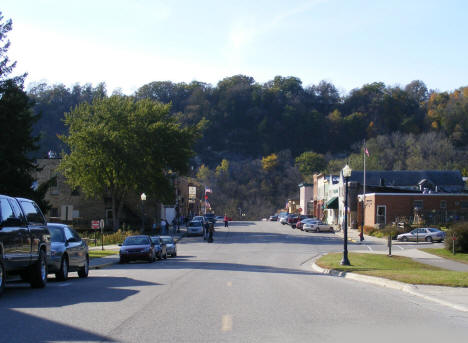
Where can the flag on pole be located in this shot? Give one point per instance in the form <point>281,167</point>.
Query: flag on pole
<point>208,190</point>
<point>366,151</point>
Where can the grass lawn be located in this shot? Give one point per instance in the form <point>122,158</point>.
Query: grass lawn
<point>396,268</point>
<point>459,257</point>
<point>102,253</point>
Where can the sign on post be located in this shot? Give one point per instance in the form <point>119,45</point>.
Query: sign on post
<point>95,224</point>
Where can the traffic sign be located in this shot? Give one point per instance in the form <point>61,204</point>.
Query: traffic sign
<point>101,224</point>
<point>95,224</point>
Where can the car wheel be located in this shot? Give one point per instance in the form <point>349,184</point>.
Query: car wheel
<point>84,271</point>
<point>62,274</point>
<point>122,260</point>
<point>429,239</point>
<point>404,239</point>
<point>39,272</point>
<point>2,276</point>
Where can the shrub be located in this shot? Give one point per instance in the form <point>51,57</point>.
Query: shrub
<point>460,232</point>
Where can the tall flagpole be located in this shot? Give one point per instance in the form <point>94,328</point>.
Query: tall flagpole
<point>361,237</point>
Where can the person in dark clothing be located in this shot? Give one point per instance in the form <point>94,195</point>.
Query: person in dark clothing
<point>210,233</point>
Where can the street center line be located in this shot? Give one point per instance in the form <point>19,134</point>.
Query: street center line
<point>368,247</point>
<point>64,284</point>
<point>226,323</point>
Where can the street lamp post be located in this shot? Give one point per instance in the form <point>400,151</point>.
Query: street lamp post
<point>143,198</point>
<point>346,174</point>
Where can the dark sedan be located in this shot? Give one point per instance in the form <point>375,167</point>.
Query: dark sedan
<point>137,248</point>
<point>69,253</point>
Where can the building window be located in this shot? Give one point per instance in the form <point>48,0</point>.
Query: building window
<point>443,204</point>
<point>418,204</point>
<point>381,214</point>
<point>54,212</point>
<point>464,204</point>
<point>76,191</point>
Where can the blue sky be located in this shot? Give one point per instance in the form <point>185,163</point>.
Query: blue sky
<point>128,43</point>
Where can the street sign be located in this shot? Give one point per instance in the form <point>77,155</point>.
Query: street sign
<point>101,224</point>
<point>95,224</point>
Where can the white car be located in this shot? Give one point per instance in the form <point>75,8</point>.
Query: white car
<point>195,227</point>
<point>283,220</point>
<point>319,226</point>
<point>309,225</point>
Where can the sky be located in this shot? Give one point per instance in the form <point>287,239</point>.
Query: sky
<point>129,43</point>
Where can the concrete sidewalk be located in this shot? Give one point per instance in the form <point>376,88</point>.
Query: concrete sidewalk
<point>102,262</point>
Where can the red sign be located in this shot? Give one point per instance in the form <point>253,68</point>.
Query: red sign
<point>299,209</point>
<point>206,197</point>
<point>95,224</point>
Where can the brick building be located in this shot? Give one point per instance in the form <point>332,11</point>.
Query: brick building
<point>384,208</point>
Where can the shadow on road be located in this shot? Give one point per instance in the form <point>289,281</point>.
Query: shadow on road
<point>21,327</point>
<point>92,289</point>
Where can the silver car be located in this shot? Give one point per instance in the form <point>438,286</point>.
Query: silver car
<point>195,228</point>
<point>171,247</point>
<point>427,234</point>
<point>69,253</point>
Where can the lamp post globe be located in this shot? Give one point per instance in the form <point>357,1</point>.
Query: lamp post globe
<point>346,174</point>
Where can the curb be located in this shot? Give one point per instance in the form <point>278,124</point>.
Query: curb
<point>407,288</point>
<point>108,264</point>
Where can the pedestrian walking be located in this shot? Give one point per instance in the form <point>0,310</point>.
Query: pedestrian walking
<point>211,231</point>
<point>163,227</point>
<point>226,221</point>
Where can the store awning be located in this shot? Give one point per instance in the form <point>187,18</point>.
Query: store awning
<point>332,203</point>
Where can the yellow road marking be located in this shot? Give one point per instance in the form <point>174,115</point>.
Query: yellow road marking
<point>226,323</point>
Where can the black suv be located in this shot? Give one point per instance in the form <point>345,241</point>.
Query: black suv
<point>24,241</point>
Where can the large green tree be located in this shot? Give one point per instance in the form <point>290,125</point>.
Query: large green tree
<point>119,145</point>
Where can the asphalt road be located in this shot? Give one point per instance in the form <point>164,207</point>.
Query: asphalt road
<point>253,284</point>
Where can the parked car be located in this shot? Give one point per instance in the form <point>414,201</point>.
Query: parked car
<point>301,222</point>
<point>195,227</point>
<point>24,241</point>
<point>427,234</point>
<point>309,225</point>
<point>69,253</point>
<point>219,218</point>
<point>292,220</point>
<point>319,226</point>
<point>171,245</point>
<point>160,248</point>
<point>284,220</point>
<point>273,218</point>
<point>135,248</point>
<point>199,219</point>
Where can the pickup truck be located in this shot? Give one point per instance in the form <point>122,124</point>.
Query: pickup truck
<point>24,242</point>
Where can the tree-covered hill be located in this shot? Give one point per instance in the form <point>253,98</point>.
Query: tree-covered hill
<point>245,119</point>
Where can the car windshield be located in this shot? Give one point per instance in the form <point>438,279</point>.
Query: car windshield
<point>136,241</point>
<point>195,223</point>
<point>155,240</point>
<point>167,240</point>
<point>56,234</point>
<point>197,218</point>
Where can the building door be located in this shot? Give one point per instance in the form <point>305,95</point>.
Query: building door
<point>381,214</point>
